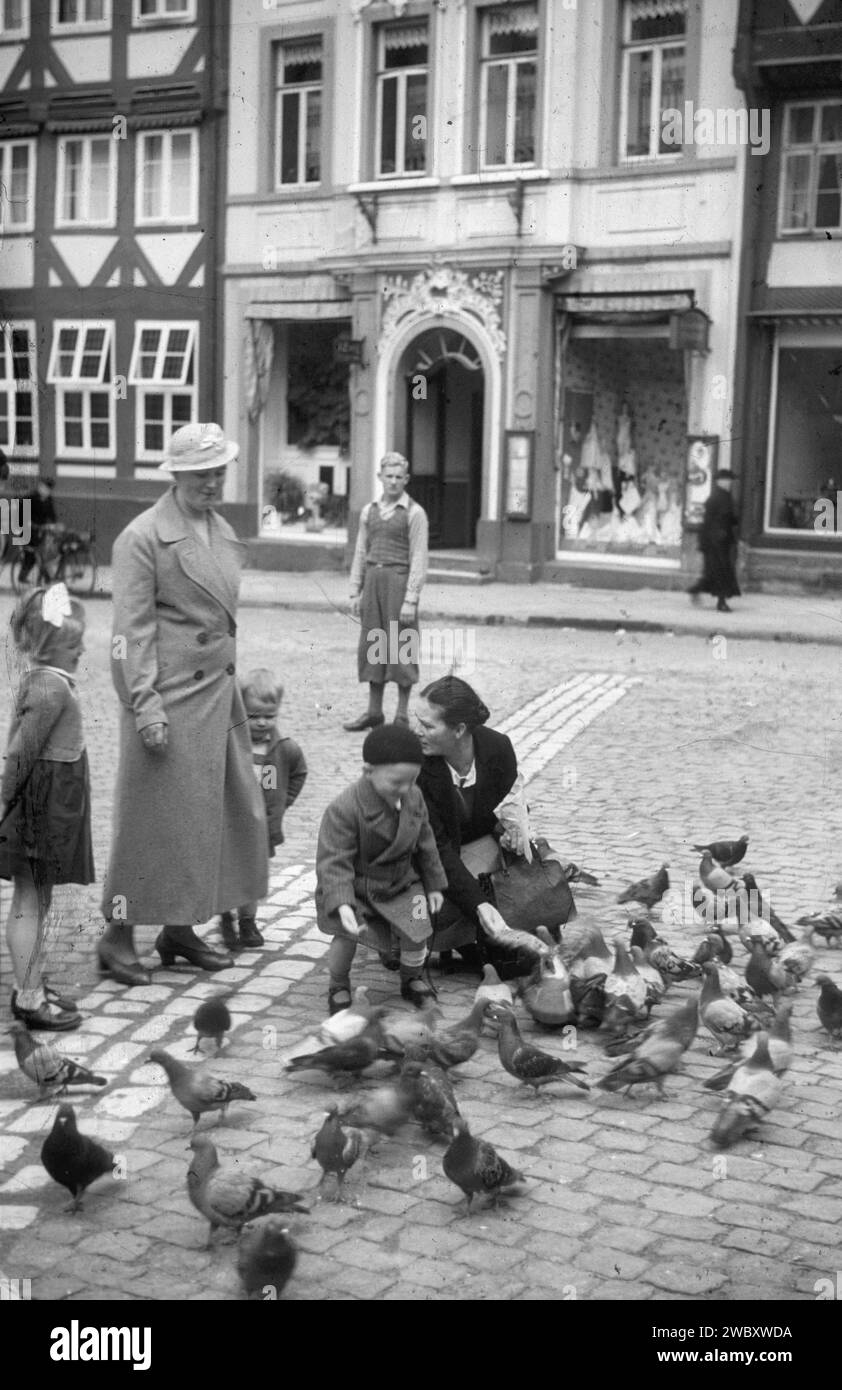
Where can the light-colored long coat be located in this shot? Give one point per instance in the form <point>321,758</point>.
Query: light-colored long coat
<point>189,836</point>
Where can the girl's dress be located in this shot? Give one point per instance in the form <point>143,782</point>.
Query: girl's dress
<point>46,785</point>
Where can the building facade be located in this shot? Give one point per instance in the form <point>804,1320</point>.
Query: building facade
<point>496,237</point>
<point>788,384</point>
<point>111,111</point>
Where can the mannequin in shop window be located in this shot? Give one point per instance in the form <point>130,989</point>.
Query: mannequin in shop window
<point>718,544</point>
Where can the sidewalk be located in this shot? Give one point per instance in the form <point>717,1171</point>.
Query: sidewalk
<point>764,617</point>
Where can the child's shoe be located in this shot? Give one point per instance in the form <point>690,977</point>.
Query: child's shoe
<point>416,992</point>
<point>249,934</point>
<point>227,927</point>
<point>49,1018</point>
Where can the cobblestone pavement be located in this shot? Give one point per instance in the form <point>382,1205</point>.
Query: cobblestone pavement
<point>634,746</point>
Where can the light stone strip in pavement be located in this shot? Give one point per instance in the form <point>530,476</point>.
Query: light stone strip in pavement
<point>540,728</point>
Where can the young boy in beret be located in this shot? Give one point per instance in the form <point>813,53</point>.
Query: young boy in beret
<point>378,871</point>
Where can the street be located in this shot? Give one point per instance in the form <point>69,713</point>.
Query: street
<point>672,740</point>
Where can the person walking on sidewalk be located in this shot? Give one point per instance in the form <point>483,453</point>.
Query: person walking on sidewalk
<point>717,542</point>
<point>387,576</point>
<point>189,836</point>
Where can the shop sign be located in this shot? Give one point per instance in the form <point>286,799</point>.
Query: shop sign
<point>690,331</point>
<point>702,455</point>
<point>348,349</point>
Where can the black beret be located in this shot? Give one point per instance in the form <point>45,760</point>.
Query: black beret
<point>392,743</point>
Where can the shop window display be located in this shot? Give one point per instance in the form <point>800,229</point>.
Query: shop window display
<point>806,435</point>
<point>624,446</point>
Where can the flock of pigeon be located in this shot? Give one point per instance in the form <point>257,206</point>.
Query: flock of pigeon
<point>579,981</point>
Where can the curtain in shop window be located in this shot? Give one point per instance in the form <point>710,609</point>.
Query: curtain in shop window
<point>563,326</point>
<point>257,364</point>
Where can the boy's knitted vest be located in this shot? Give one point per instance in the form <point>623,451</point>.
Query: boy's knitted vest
<point>388,541</point>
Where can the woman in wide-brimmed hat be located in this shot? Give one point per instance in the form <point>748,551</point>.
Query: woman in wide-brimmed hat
<point>189,834</point>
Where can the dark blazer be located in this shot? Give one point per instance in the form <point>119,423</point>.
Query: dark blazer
<point>281,790</point>
<point>496,766</point>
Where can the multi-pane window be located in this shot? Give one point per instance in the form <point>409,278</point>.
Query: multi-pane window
<point>168,176</point>
<point>401,146</point>
<point>298,113</point>
<point>14,19</point>
<point>811,183</point>
<point>18,390</point>
<point>81,14</point>
<point>509,83</point>
<point>653,82</point>
<point>17,185</point>
<point>163,372</point>
<point>164,9</point>
<point>87,170</point>
<point>81,371</point>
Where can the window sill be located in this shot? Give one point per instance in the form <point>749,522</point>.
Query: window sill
<point>510,175</point>
<point>6,232</point>
<point>816,234</point>
<point>394,185</point>
<point>85,227</point>
<point>14,38</point>
<point>77,31</point>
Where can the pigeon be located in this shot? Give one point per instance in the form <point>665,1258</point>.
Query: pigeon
<point>592,958</point>
<point>715,947</point>
<point>725,852</point>
<point>347,1023</point>
<point>335,1149</point>
<point>656,985</point>
<point>547,995</point>
<point>714,877</point>
<point>647,891</point>
<point>434,1104</point>
<point>829,1005</point>
<point>530,1064</point>
<point>403,1028</point>
<point>73,1159</point>
<point>352,1056</point>
<point>763,973</point>
<point>826,925</point>
<point>476,1167</point>
<point>779,1044</point>
<point>723,1017</point>
<point>212,1020</point>
<point>797,959</point>
<point>627,997</point>
<point>228,1197</point>
<point>658,1053</point>
<point>386,1109</point>
<point>450,1047</point>
<point>658,954</point>
<point>752,1092</point>
<point>760,906</point>
<point>588,1000</point>
<point>492,989</point>
<point>266,1257</point>
<point>196,1090</point>
<point>49,1069</point>
<point>574,874</point>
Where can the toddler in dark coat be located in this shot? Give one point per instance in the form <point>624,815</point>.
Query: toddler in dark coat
<point>281,770</point>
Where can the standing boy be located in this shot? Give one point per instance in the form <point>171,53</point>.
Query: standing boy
<point>388,573</point>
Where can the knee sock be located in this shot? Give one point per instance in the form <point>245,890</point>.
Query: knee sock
<point>412,961</point>
<point>340,956</point>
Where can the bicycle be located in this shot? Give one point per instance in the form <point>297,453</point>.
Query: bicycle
<point>60,554</point>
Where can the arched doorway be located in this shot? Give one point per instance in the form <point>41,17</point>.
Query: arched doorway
<point>439,402</point>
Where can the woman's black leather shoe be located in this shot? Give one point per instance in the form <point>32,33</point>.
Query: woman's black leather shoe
<point>199,955</point>
<point>125,972</point>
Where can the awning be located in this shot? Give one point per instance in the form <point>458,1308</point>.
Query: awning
<point>808,304</point>
<point>291,309</point>
<point>626,310</point>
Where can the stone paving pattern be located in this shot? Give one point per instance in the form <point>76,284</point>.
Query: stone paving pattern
<point>626,1198</point>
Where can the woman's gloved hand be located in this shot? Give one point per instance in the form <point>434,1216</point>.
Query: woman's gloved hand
<point>155,737</point>
<point>513,840</point>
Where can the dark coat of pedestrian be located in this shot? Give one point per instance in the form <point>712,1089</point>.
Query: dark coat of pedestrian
<point>718,544</point>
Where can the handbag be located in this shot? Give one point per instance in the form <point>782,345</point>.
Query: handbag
<point>533,894</point>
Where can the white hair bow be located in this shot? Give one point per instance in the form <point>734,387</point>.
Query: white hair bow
<point>56,606</point>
